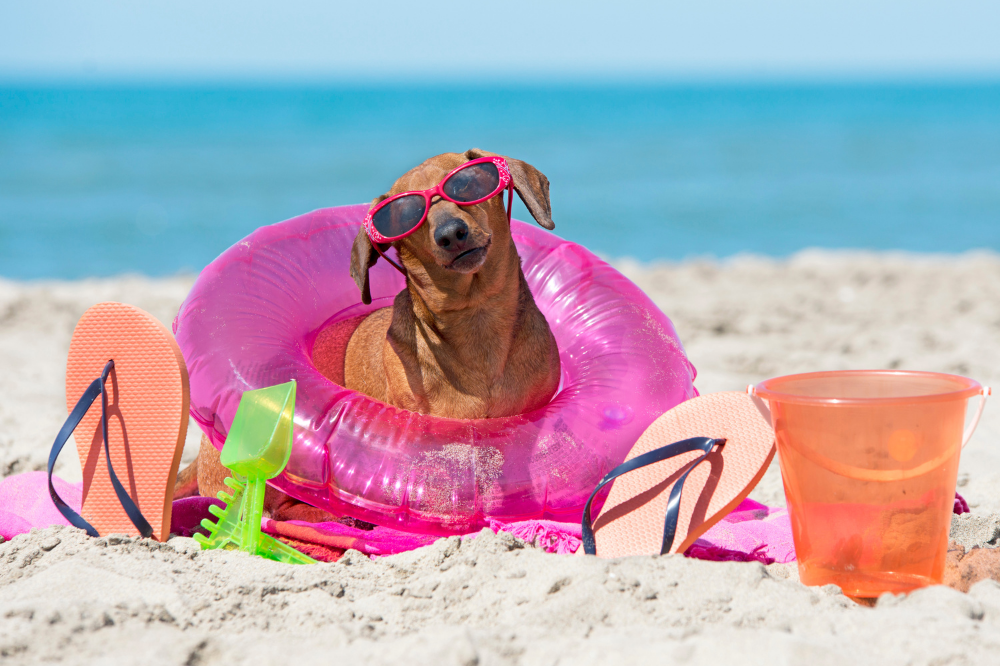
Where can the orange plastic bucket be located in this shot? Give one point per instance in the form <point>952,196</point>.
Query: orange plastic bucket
<point>869,461</point>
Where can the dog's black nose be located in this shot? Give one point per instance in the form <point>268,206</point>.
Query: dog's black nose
<point>451,234</point>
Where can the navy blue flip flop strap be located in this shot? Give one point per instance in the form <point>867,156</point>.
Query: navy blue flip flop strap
<point>73,420</point>
<point>97,387</point>
<point>705,444</point>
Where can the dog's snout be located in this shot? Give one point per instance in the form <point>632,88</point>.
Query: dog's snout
<point>451,234</point>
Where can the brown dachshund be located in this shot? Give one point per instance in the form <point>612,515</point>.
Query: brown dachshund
<point>463,340</point>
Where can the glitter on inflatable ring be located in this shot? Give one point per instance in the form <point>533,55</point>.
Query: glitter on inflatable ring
<point>252,317</point>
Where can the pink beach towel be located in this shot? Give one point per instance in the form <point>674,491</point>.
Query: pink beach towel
<point>25,502</point>
<point>752,532</point>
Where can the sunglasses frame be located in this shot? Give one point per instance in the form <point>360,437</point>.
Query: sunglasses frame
<point>505,182</point>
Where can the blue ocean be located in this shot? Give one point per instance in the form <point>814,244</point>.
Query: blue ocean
<point>105,180</point>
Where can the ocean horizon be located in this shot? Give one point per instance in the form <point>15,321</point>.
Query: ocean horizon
<point>100,180</point>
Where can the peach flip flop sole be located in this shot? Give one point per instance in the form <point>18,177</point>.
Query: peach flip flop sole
<point>631,520</point>
<point>147,415</point>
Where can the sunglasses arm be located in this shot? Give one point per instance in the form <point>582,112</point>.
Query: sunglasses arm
<point>382,254</point>
<point>510,200</point>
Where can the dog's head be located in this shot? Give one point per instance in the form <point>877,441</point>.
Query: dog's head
<point>453,240</point>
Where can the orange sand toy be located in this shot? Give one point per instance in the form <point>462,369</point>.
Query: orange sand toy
<point>147,415</point>
<point>631,521</point>
<point>869,461</point>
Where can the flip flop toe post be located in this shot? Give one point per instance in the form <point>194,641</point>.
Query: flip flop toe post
<point>709,453</point>
<point>147,415</point>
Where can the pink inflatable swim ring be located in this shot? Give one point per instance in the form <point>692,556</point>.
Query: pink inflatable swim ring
<point>253,314</point>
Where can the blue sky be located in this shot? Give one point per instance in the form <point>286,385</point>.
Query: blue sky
<point>514,39</point>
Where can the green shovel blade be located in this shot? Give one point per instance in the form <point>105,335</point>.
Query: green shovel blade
<point>260,439</point>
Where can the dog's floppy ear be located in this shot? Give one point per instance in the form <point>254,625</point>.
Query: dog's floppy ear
<point>530,183</point>
<point>363,257</point>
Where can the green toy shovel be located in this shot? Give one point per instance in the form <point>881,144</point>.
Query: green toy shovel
<point>257,449</point>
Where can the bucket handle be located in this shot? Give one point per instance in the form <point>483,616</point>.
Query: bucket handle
<point>983,394</point>
<point>762,407</point>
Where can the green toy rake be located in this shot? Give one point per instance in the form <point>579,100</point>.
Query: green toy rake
<point>257,449</point>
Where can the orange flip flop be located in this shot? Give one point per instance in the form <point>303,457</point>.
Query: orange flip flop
<point>690,468</point>
<point>142,383</point>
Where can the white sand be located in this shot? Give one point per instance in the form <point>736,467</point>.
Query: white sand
<point>490,600</point>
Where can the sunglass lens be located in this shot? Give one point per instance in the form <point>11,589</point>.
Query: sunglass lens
<point>399,216</point>
<point>473,182</point>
